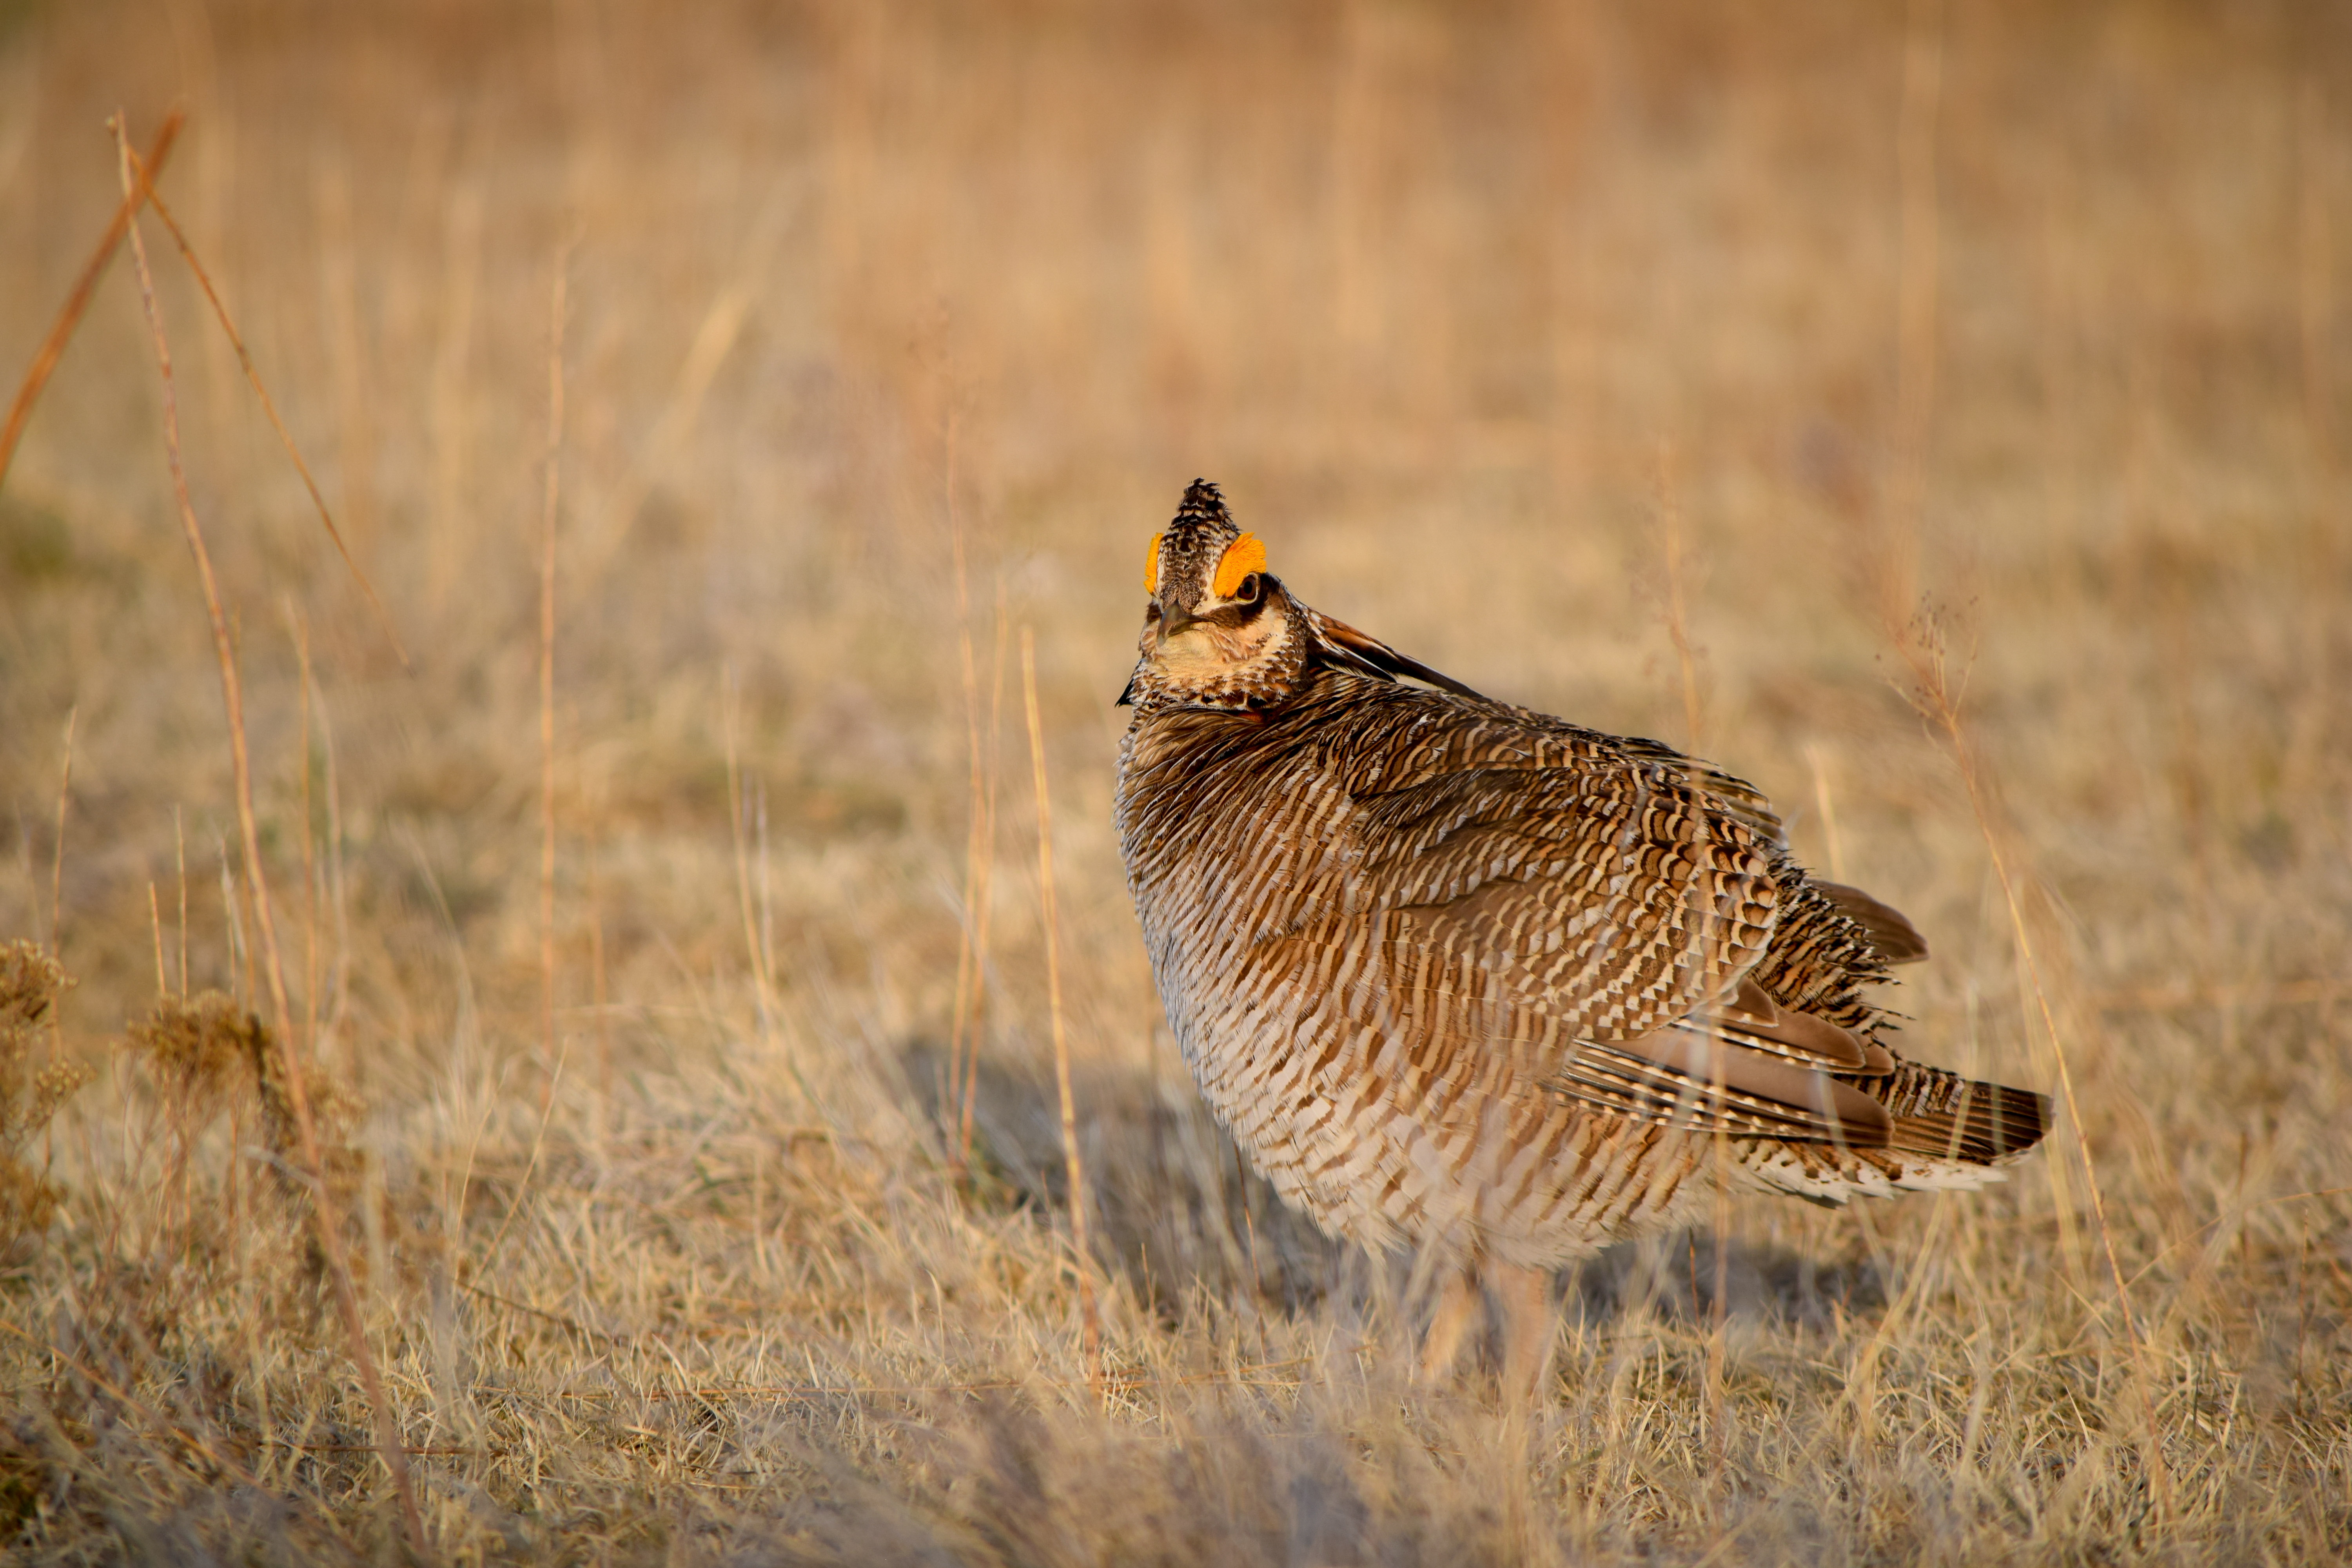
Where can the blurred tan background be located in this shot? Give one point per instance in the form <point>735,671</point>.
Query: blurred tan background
<point>1427,288</point>
<point>1507,327</point>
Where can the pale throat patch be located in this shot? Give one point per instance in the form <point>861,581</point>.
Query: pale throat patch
<point>1205,653</point>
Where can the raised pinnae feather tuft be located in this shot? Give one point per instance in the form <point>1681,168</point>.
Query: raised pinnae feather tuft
<point>1203,502</point>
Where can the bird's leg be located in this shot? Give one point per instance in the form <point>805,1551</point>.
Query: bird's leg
<point>1457,1300</point>
<point>1530,1326</point>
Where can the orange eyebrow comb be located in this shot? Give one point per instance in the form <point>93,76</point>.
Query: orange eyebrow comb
<point>1242,557</point>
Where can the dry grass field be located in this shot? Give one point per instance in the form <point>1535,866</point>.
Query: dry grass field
<point>1718,373</point>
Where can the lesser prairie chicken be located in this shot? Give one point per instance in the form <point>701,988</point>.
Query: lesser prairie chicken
<point>1461,976</point>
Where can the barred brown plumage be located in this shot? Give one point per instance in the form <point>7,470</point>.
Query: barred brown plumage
<point>1463,976</point>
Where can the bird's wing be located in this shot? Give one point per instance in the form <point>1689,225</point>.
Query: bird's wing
<point>1596,925</point>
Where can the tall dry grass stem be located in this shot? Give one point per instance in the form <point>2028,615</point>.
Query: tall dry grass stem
<point>1675,612</point>
<point>598,992</point>
<point>348,341</point>
<point>1825,803</point>
<point>180,863</point>
<point>69,314</point>
<point>1249,1220</point>
<point>338,886</point>
<point>57,877</point>
<point>550,500</point>
<point>984,894</point>
<point>1917,274</point>
<point>2314,296</point>
<point>1933,696</point>
<point>324,1211</point>
<point>269,405</point>
<point>971,965</point>
<point>739,810</point>
<point>1920,639</point>
<point>155,921</point>
<point>1073,1162</point>
<point>1673,609</point>
<point>240,947</point>
<point>301,630</point>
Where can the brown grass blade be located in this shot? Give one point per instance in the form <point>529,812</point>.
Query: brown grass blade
<point>968,985</point>
<point>20,410</point>
<point>1938,700</point>
<point>982,897</point>
<point>324,1207</point>
<point>547,653</point>
<point>1071,1160</point>
<point>253,376</point>
<point>552,497</point>
<point>980,843</point>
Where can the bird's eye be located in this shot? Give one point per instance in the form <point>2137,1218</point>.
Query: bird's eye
<point>1251,587</point>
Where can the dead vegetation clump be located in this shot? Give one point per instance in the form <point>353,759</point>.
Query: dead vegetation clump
<point>207,1057</point>
<point>33,1086</point>
<point>199,1049</point>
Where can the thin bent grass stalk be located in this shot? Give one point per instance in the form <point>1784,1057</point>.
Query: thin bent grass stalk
<point>76,304</point>
<point>970,981</point>
<point>324,1209</point>
<point>269,405</point>
<point>984,895</point>
<point>1932,695</point>
<point>1073,1160</point>
<point>549,1052</point>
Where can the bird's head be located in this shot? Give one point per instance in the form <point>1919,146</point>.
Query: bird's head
<point>1219,629</point>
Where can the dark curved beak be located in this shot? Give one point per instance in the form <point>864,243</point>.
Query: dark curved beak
<point>1172,621</point>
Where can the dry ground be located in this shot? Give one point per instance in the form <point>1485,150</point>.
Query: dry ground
<point>1509,327</point>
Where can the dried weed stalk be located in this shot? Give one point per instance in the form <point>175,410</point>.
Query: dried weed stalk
<point>70,315</point>
<point>30,984</point>
<point>295,1095</point>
